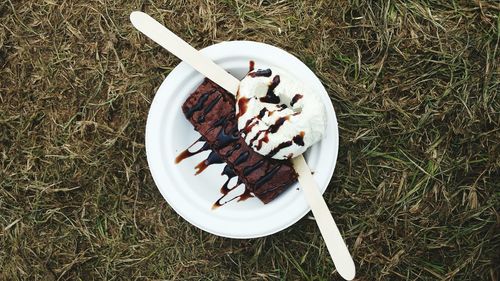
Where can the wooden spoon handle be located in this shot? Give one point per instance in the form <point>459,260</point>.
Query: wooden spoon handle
<point>327,226</point>
<point>181,49</point>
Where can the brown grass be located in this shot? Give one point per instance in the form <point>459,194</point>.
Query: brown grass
<point>416,189</point>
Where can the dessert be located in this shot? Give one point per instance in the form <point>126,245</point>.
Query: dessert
<point>212,111</point>
<point>272,119</point>
<point>278,116</point>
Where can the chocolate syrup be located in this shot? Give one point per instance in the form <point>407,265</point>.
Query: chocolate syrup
<point>218,203</point>
<point>209,108</point>
<point>272,129</point>
<point>224,138</point>
<point>225,189</point>
<point>261,73</point>
<point>242,106</point>
<point>248,128</point>
<point>199,104</point>
<point>262,113</point>
<point>295,99</point>
<point>241,158</point>
<point>247,194</point>
<point>279,147</point>
<point>298,139</point>
<point>229,172</point>
<point>263,140</point>
<point>267,176</point>
<point>270,96</point>
<point>249,125</point>
<point>242,197</point>
<point>248,170</point>
<point>213,158</point>
<point>186,153</point>
<point>233,149</point>
<point>183,155</point>
<point>281,108</point>
<point>219,122</point>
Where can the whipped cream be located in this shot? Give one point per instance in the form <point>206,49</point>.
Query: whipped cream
<point>278,116</point>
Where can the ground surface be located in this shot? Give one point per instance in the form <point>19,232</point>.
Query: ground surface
<point>416,189</point>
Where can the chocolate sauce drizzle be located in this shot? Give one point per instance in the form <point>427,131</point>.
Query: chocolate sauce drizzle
<point>186,153</point>
<point>261,73</point>
<point>213,158</point>
<point>223,138</point>
<point>225,189</point>
<point>232,150</point>
<point>272,129</point>
<point>242,197</point>
<point>209,108</point>
<point>271,97</point>
<point>242,158</point>
<point>295,99</point>
<point>298,139</point>
<point>263,140</point>
<point>199,105</point>
<point>279,147</point>
<point>251,66</point>
<point>250,123</point>
<point>249,169</point>
<point>267,177</point>
<point>262,112</point>
<point>229,172</point>
<point>242,106</point>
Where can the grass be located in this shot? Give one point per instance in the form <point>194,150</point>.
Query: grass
<point>416,188</point>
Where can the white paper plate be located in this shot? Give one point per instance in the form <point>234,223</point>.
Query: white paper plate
<point>168,133</point>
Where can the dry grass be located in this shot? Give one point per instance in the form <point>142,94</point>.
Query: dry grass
<point>416,190</point>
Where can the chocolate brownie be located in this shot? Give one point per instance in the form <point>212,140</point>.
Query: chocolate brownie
<point>211,110</point>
